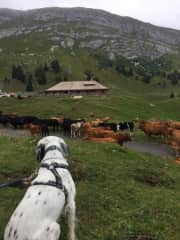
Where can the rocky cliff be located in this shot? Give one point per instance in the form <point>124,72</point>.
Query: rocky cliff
<point>90,28</point>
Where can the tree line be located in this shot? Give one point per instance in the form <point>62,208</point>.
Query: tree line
<point>140,67</point>
<point>39,74</point>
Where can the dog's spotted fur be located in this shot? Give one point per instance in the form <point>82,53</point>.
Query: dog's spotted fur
<point>36,216</point>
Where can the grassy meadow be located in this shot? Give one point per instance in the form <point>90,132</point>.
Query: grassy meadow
<point>121,194</point>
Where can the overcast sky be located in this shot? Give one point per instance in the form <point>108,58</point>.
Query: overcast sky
<point>159,12</point>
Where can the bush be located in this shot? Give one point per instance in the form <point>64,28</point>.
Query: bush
<point>172,95</point>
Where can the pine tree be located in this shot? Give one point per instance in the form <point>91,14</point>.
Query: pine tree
<point>19,73</point>
<point>89,75</point>
<point>55,66</point>
<point>13,72</point>
<point>46,68</point>
<point>29,86</point>
<point>40,75</point>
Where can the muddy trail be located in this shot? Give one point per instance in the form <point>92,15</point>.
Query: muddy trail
<point>157,149</point>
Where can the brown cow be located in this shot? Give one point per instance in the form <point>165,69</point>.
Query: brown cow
<point>58,119</point>
<point>115,138</point>
<point>155,128</point>
<point>37,129</point>
<point>175,125</point>
<point>175,141</point>
<point>97,121</point>
<point>105,139</point>
<point>175,134</point>
<point>121,138</point>
<point>96,132</point>
<point>34,129</point>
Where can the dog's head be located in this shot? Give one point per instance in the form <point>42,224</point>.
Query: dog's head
<point>46,142</point>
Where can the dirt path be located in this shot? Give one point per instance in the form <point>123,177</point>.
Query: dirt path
<point>9,132</point>
<point>157,149</point>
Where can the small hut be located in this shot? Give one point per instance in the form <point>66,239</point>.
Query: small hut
<point>77,88</point>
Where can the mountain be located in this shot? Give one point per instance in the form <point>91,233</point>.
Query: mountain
<point>91,29</point>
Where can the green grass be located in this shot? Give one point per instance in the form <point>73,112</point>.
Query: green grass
<point>122,106</point>
<point>115,194</point>
<point>120,193</point>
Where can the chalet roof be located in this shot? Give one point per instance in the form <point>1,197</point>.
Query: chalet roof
<point>77,86</point>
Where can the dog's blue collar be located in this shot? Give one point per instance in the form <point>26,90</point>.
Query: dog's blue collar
<point>53,147</point>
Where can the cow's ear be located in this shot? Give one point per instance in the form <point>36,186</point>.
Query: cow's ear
<point>40,152</point>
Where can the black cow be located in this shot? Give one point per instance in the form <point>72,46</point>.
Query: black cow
<point>16,122</point>
<point>51,123</point>
<point>112,126</point>
<point>4,120</point>
<point>19,122</point>
<point>126,126</point>
<point>29,119</point>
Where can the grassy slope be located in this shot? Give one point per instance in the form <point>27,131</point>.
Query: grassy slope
<point>114,199</point>
<point>34,49</point>
<point>118,107</point>
<point>112,202</point>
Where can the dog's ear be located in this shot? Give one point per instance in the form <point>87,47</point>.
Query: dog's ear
<point>64,147</point>
<point>40,151</point>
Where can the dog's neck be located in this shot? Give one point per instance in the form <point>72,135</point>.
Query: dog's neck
<point>54,156</point>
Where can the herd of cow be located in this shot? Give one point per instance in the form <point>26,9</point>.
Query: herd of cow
<point>170,130</point>
<point>98,130</point>
<point>95,130</point>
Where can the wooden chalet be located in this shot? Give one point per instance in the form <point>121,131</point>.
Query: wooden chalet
<point>77,88</point>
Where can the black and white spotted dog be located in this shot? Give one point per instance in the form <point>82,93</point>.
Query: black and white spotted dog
<point>53,190</point>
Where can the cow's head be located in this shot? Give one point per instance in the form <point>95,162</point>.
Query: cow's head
<point>49,141</point>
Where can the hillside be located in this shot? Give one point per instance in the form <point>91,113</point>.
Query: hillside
<point>90,28</point>
<point>118,51</point>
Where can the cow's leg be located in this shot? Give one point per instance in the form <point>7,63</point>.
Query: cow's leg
<point>79,132</point>
<point>166,138</point>
<point>177,152</point>
<point>74,133</point>
<point>47,133</point>
<point>71,132</point>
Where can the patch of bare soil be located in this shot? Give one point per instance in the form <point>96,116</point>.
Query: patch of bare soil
<point>9,132</point>
<point>154,178</point>
<point>157,149</point>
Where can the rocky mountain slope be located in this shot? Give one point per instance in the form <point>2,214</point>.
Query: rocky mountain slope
<point>93,29</point>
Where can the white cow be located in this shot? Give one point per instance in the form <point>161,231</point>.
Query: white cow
<point>76,129</point>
